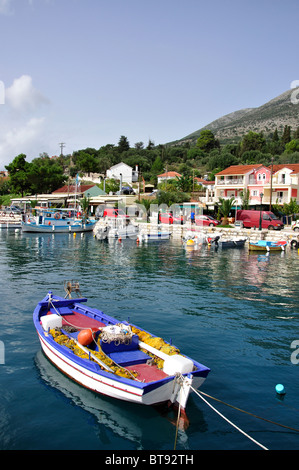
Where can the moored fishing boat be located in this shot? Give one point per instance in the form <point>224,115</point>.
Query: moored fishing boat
<point>153,236</point>
<point>56,221</point>
<point>265,245</point>
<point>230,242</point>
<point>112,358</point>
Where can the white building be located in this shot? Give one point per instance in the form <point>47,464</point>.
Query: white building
<point>169,175</point>
<point>123,172</point>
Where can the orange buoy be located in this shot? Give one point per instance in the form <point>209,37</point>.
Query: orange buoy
<point>85,337</point>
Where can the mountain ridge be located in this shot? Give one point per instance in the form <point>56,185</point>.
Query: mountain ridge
<point>274,114</point>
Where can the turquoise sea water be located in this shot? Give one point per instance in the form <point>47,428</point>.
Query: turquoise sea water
<point>233,311</point>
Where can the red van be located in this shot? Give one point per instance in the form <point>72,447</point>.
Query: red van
<point>111,212</point>
<point>251,218</point>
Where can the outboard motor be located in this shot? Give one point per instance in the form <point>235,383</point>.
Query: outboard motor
<point>216,240</point>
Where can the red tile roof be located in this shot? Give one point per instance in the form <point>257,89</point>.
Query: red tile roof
<point>202,181</point>
<point>170,174</point>
<point>72,188</point>
<point>238,169</point>
<point>291,166</point>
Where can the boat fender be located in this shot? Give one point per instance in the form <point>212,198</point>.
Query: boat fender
<point>57,215</point>
<point>294,244</point>
<point>280,389</point>
<point>85,337</point>
<point>51,321</point>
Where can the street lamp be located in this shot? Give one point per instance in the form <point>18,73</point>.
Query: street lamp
<point>261,196</point>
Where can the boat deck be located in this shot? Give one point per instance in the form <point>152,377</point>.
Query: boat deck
<point>79,320</point>
<point>147,373</point>
<point>132,359</point>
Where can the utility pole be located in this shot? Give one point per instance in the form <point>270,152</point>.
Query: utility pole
<point>62,144</point>
<point>271,184</point>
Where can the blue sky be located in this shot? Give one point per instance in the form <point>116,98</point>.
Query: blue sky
<point>85,72</point>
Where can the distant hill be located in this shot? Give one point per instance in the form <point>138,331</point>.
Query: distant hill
<point>277,113</point>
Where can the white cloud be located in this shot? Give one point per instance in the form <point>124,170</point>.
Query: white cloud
<point>5,7</point>
<point>23,139</point>
<point>22,95</point>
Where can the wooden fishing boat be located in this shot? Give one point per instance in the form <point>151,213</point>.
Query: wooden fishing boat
<point>56,221</point>
<point>265,245</point>
<point>112,358</point>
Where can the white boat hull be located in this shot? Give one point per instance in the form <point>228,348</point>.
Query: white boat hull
<point>57,228</point>
<point>167,392</point>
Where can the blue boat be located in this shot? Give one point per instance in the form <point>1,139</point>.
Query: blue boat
<point>56,221</point>
<point>265,245</point>
<point>114,358</point>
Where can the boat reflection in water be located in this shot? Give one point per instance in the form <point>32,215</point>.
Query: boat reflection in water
<point>124,420</point>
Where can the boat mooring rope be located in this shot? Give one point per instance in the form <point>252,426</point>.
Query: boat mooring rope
<point>250,414</point>
<point>230,422</point>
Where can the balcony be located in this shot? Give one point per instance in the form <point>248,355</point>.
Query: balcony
<point>254,181</point>
<point>230,182</point>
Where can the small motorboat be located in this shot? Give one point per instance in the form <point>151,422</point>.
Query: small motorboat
<point>153,236</point>
<point>265,245</point>
<point>114,358</point>
<point>115,229</point>
<point>233,242</point>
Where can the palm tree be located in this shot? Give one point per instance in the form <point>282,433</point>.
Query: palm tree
<point>85,205</point>
<point>225,208</point>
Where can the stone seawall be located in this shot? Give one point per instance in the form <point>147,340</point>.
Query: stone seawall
<point>179,231</point>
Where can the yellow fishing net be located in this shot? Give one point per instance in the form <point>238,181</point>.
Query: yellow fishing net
<point>64,340</point>
<point>157,343</point>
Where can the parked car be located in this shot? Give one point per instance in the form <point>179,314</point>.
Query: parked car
<point>206,220</point>
<point>168,218</point>
<point>111,212</point>
<point>295,226</point>
<point>251,218</point>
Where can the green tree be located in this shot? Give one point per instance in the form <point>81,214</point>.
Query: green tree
<point>291,208</point>
<point>45,175</point>
<point>123,144</point>
<point>292,146</point>
<point>169,198</point>
<point>184,183</point>
<point>19,173</point>
<point>207,141</point>
<point>157,166</point>
<point>84,202</point>
<point>87,163</point>
<point>286,136</point>
<point>245,198</point>
<point>252,141</point>
<point>225,208</point>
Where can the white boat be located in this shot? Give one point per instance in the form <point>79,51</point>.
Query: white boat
<point>194,239</point>
<point>56,221</point>
<point>112,358</point>
<point>153,236</point>
<point>115,228</point>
